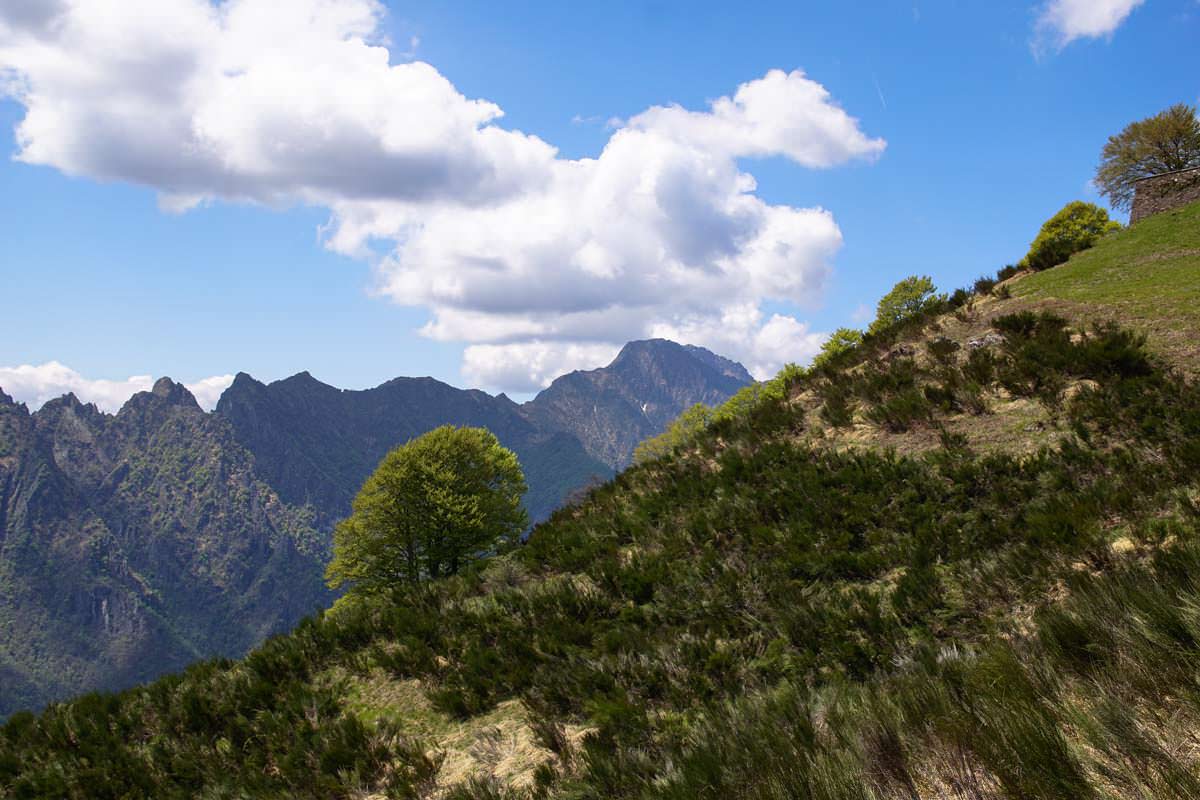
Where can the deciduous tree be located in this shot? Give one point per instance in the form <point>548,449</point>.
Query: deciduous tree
<point>432,506</point>
<point>1165,142</point>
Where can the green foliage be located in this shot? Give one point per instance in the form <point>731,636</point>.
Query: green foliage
<point>432,506</point>
<point>683,430</point>
<point>753,617</point>
<point>908,299</point>
<point>1165,142</point>
<point>984,285</point>
<point>840,341</point>
<point>1076,227</point>
<point>1146,276</point>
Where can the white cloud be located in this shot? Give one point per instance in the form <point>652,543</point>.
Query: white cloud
<point>742,333</point>
<point>1064,21</point>
<point>536,262</point>
<point>34,385</point>
<point>208,390</point>
<point>251,100</point>
<point>525,367</point>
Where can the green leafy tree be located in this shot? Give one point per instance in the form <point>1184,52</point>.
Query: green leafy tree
<point>1076,227</point>
<point>908,298</point>
<point>432,506</point>
<point>841,341</point>
<point>1165,142</point>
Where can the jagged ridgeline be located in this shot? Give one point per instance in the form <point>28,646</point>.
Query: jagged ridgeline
<point>958,560</point>
<point>134,544</point>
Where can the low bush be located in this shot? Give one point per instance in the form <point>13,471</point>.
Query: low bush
<point>984,285</point>
<point>1076,227</point>
<point>1006,272</point>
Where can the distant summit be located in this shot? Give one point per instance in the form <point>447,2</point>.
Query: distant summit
<point>650,382</point>
<point>725,366</point>
<point>315,444</point>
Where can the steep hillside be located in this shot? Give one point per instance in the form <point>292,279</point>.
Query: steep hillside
<point>772,611</point>
<point>134,544</point>
<point>610,410</point>
<point>1145,279</point>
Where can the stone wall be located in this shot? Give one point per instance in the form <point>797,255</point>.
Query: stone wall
<point>1160,193</point>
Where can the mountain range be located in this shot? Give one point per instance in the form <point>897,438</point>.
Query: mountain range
<point>133,544</point>
<point>957,559</point>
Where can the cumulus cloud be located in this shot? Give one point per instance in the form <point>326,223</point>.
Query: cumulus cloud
<point>537,262</point>
<point>1063,21</point>
<point>34,385</point>
<point>530,366</point>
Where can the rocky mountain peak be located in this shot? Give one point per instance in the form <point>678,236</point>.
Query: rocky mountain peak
<point>70,405</point>
<point>173,393</point>
<point>726,366</point>
<point>648,384</point>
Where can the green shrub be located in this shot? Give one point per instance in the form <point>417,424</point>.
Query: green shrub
<point>942,350</point>
<point>837,404</point>
<point>1076,227</point>
<point>984,285</point>
<point>900,411</point>
<point>839,342</point>
<point>958,299</point>
<point>686,428</point>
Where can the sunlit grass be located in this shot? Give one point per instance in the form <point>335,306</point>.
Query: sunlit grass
<point>1147,276</point>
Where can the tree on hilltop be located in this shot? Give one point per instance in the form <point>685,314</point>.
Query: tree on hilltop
<point>431,507</point>
<point>1165,142</point>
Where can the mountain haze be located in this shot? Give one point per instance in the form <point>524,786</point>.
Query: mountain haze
<point>133,544</point>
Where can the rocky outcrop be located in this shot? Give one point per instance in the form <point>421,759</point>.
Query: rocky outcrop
<point>133,544</point>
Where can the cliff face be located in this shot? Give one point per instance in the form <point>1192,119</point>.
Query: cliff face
<point>134,544</point>
<point>611,409</point>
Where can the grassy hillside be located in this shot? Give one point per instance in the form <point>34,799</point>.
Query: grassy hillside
<point>1147,277</point>
<point>1003,606</point>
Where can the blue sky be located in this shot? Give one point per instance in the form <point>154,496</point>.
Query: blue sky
<point>992,121</point>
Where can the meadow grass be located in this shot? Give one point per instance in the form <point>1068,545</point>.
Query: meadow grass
<point>1146,276</point>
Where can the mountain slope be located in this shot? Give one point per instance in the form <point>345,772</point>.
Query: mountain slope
<point>768,612</point>
<point>136,543</point>
<point>610,410</point>
<point>315,445</point>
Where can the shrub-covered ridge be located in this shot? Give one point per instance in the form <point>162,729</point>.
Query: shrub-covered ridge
<point>754,616</point>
